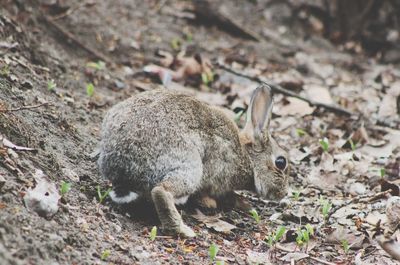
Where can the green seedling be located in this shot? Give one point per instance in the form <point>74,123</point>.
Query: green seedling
<point>105,254</point>
<point>304,235</point>
<point>176,44</point>
<point>207,78</point>
<point>212,251</point>
<point>255,215</point>
<point>326,207</point>
<point>5,70</point>
<point>153,233</point>
<point>100,65</point>
<point>65,187</point>
<point>219,262</point>
<point>275,237</point>
<point>324,144</point>
<point>51,85</point>
<point>90,89</point>
<point>310,229</point>
<point>296,195</point>
<point>300,132</point>
<point>352,144</point>
<point>102,195</point>
<point>345,246</point>
<point>382,172</point>
<point>188,35</point>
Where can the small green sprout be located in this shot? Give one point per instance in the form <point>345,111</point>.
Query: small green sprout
<point>352,144</point>
<point>5,70</point>
<point>102,195</point>
<point>188,35</point>
<point>98,66</point>
<point>255,215</point>
<point>310,229</point>
<point>300,132</point>
<point>219,262</point>
<point>51,85</point>
<point>65,187</point>
<point>326,207</point>
<point>382,172</point>
<point>90,89</point>
<point>345,246</point>
<point>324,144</point>
<point>275,236</point>
<point>176,44</point>
<point>304,235</point>
<point>153,233</point>
<point>105,254</point>
<point>212,251</point>
<point>279,233</point>
<point>207,77</point>
<point>296,195</point>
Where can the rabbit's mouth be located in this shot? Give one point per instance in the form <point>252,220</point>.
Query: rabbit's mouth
<point>269,191</point>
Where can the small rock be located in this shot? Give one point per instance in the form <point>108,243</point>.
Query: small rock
<point>118,84</point>
<point>393,211</point>
<point>284,202</point>
<point>44,198</point>
<point>27,84</point>
<point>357,188</point>
<point>139,254</point>
<point>70,174</point>
<point>2,181</point>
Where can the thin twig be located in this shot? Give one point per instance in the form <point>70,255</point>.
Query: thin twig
<point>359,199</point>
<point>308,255</point>
<point>26,107</point>
<point>77,42</point>
<point>69,11</point>
<point>4,142</point>
<point>279,89</point>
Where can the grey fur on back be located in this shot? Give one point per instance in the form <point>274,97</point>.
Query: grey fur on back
<point>165,135</point>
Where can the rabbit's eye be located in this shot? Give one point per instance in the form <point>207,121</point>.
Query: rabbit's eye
<point>280,162</point>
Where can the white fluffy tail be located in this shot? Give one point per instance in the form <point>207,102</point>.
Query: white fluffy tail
<point>130,197</point>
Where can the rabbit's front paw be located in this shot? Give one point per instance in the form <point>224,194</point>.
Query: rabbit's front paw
<point>181,230</point>
<point>185,231</point>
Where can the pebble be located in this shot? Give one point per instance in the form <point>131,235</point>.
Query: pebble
<point>2,181</point>
<point>393,211</point>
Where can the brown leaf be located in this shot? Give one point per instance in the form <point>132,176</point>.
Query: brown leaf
<point>318,93</point>
<point>354,238</point>
<point>386,185</point>
<point>293,106</point>
<point>214,222</point>
<point>258,257</point>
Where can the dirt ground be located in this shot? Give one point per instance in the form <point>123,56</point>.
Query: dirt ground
<point>51,50</point>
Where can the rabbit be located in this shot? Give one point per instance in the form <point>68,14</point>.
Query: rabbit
<point>166,146</point>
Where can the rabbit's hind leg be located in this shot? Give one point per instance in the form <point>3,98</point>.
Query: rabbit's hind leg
<point>169,216</point>
<point>205,201</point>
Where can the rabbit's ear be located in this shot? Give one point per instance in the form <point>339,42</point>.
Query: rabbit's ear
<point>259,112</point>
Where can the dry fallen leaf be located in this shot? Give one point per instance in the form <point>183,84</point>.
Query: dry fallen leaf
<point>318,93</point>
<point>294,256</point>
<point>355,239</point>
<point>214,222</point>
<point>258,257</point>
<point>293,106</point>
